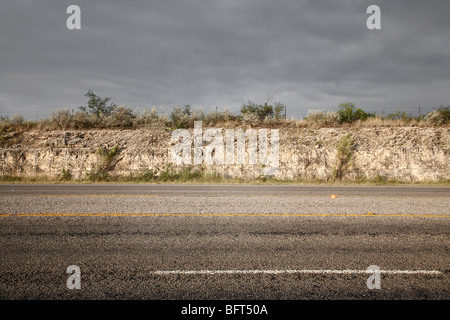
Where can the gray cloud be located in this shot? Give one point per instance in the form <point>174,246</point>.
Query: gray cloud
<point>307,54</point>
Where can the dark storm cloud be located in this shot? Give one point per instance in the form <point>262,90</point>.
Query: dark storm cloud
<point>307,54</point>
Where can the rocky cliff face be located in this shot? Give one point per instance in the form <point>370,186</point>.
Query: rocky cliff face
<point>404,154</point>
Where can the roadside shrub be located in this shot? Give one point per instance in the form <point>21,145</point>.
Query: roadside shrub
<point>278,110</point>
<point>439,116</point>
<point>148,118</point>
<point>82,120</point>
<point>348,113</point>
<point>445,111</point>
<point>320,118</point>
<point>120,117</point>
<point>344,157</point>
<point>106,162</point>
<point>45,124</point>
<point>332,119</point>
<point>184,118</point>
<point>5,124</point>
<point>315,116</point>
<point>197,115</point>
<point>62,118</point>
<point>435,117</point>
<point>16,123</point>
<point>65,175</point>
<point>17,120</point>
<point>262,111</point>
<point>180,118</point>
<point>250,118</point>
<point>219,116</point>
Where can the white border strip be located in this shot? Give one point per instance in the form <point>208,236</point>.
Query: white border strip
<point>196,272</point>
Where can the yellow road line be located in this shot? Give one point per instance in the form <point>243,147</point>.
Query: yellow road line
<point>232,196</point>
<point>97,195</point>
<point>119,214</point>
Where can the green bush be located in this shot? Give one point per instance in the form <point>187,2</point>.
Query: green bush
<point>97,105</point>
<point>348,113</point>
<point>65,175</point>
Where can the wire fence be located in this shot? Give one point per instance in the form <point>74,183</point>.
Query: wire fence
<point>291,113</point>
<point>28,115</point>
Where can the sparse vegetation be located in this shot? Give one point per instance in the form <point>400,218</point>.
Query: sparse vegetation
<point>185,117</point>
<point>102,113</point>
<point>344,157</point>
<point>106,161</point>
<point>65,175</point>
<point>399,115</point>
<point>189,176</point>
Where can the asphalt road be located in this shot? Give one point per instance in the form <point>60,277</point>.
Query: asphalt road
<point>224,241</point>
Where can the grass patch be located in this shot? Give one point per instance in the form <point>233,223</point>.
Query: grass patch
<point>195,176</point>
<point>183,175</point>
<point>65,175</point>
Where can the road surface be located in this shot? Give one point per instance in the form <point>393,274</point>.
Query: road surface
<point>149,241</point>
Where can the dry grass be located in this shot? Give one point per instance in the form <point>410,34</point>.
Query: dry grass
<point>47,125</point>
<point>62,120</point>
<point>380,122</point>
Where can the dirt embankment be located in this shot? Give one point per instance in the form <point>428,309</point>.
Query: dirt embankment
<point>402,153</point>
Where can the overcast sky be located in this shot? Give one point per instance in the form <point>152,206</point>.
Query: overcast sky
<point>306,54</point>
